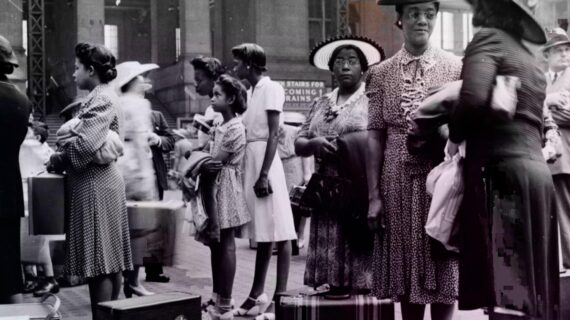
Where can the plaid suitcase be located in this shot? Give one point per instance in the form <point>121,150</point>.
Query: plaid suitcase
<point>164,306</point>
<point>310,305</point>
<point>32,311</point>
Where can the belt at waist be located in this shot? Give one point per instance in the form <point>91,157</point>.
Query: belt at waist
<point>396,130</point>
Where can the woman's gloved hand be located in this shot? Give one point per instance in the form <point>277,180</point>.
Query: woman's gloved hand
<point>57,163</point>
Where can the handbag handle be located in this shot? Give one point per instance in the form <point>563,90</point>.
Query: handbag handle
<point>54,312</point>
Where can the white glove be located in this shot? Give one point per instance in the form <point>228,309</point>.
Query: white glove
<point>153,139</point>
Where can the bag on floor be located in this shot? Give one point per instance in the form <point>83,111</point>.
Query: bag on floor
<point>306,304</point>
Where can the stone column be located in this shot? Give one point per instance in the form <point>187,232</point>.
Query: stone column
<point>90,21</point>
<point>196,35</point>
<point>195,27</point>
<point>163,21</point>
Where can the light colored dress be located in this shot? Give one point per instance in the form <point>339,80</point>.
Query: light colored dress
<point>136,163</point>
<point>330,259</point>
<point>230,198</point>
<point>272,216</point>
<point>292,163</point>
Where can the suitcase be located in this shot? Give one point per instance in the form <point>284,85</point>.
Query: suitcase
<point>306,304</point>
<point>164,306</point>
<point>564,307</point>
<point>153,226</point>
<point>47,207</point>
<point>32,311</point>
<point>565,295</point>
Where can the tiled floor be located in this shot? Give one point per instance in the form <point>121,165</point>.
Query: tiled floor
<point>191,273</point>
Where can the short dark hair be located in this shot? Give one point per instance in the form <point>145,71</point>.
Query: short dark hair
<point>400,12</point>
<point>232,87</point>
<point>252,55</point>
<point>98,57</point>
<point>210,65</point>
<point>40,131</point>
<point>359,53</point>
<point>498,14</point>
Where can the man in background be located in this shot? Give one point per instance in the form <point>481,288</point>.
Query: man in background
<point>161,142</point>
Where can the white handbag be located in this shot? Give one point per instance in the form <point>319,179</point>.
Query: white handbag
<point>445,184</point>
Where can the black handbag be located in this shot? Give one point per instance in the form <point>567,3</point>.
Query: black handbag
<point>299,207</point>
<point>323,194</point>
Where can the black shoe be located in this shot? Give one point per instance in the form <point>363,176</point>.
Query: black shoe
<point>46,287</point>
<point>157,278</point>
<point>30,286</point>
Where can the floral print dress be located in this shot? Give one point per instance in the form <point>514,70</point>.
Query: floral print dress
<point>330,259</point>
<point>405,267</point>
<point>230,199</point>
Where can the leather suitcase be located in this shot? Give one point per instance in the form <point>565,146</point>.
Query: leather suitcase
<point>153,226</point>
<point>164,306</point>
<point>307,304</point>
<point>47,207</point>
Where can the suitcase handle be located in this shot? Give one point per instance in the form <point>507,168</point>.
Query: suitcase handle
<point>54,312</point>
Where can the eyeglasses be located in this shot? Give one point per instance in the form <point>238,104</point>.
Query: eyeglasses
<point>339,62</point>
<point>416,14</point>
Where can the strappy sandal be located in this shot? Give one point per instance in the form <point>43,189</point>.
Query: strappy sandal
<point>260,305</point>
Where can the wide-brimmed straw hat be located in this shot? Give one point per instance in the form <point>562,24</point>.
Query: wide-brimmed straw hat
<point>532,29</point>
<point>7,54</point>
<point>555,41</point>
<point>129,70</point>
<point>322,53</point>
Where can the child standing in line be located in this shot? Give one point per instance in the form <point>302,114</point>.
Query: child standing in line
<point>229,98</point>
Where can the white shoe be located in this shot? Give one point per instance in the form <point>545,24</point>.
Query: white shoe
<point>266,316</point>
<point>261,304</point>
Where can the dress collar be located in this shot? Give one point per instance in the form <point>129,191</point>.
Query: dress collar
<point>264,80</point>
<point>333,97</point>
<point>427,58</point>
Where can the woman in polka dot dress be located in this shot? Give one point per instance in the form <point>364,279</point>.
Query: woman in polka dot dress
<point>98,244</point>
<point>405,267</point>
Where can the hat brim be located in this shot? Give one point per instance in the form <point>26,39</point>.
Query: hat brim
<point>13,60</point>
<point>321,55</point>
<point>556,44</point>
<point>402,2</point>
<point>532,29</point>
<point>144,68</point>
<point>70,107</point>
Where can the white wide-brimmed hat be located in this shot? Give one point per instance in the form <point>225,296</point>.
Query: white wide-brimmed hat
<point>129,70</point>
<point>322,53</point>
